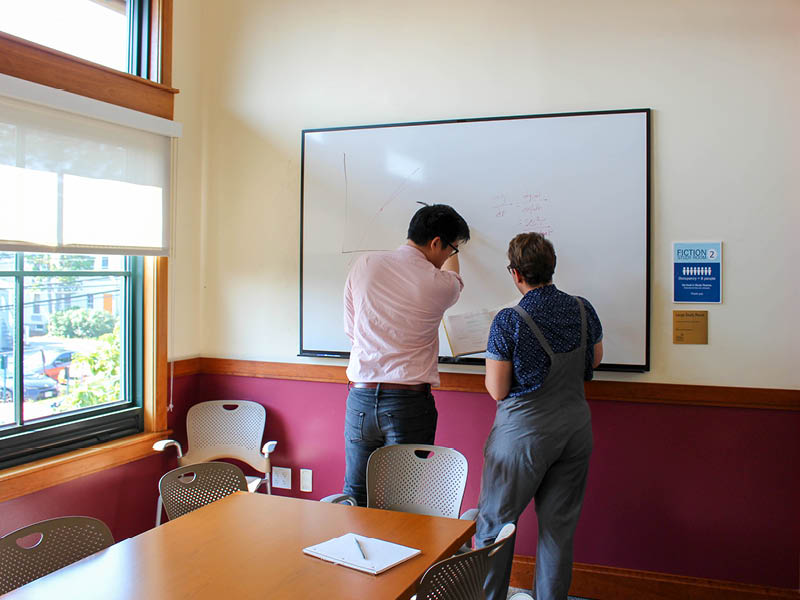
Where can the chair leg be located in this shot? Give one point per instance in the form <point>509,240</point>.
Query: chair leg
<point>159,506</point>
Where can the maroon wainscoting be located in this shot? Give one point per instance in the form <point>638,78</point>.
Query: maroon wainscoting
<point>705,492</point>
<point>698,491</point>
<point>124,498</point>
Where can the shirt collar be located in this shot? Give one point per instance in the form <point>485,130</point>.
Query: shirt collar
<point>412,251</point>
<point>538,294</point>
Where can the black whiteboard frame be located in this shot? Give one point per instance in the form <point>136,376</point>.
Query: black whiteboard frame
<point>480,361</point>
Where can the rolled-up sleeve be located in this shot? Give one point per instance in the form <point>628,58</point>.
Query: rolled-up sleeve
<point>450,285</point>
<point>593,325</point>
<point>501,339</point>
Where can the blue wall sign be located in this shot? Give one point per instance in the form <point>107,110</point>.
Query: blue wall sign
<point>697,269</point>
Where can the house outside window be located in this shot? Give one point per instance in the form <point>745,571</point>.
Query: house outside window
<point>80,359</point>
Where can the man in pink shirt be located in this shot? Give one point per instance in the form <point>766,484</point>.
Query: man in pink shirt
<point>393,303</point>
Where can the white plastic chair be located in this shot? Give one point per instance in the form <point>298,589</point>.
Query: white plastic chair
<point>461,577</point>
<point>416,478</point>
<point>224,429</point>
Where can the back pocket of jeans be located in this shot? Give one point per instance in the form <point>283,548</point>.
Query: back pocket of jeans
<point>353,424</point>
<point>417,426</point>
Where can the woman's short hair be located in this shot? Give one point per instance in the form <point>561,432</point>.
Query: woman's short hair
<point>533,256</point>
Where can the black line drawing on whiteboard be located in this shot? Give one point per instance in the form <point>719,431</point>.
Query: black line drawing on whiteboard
<point>365,231</point>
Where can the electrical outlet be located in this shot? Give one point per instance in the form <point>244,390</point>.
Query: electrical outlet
<point>282,478</point>
<point>305,480</point>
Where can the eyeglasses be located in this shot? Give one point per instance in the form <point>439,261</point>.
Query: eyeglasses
<point>455,250</point>
<point>510,269</point>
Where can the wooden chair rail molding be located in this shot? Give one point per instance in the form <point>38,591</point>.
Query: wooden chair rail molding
<point>47,472</point>
<point>40,64</point>
<point>612,391</point>
<point>597,581</point>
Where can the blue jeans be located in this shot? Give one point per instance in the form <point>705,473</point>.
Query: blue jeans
<point>376,418</point>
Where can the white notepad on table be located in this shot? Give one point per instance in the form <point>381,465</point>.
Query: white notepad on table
<point>380,554</point>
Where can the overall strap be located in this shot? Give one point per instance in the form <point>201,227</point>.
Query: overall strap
<point>535,329</point>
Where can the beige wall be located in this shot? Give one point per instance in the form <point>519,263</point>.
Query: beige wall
<point>186,330</point>
<point>720,75</point>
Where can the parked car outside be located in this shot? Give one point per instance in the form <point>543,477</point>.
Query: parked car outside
<point>56,367</point>
<point>35,384</point>
<point>35,387</point>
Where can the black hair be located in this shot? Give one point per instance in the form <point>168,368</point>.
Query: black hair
<point>437,220</point>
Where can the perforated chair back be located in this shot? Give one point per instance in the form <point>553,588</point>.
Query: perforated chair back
<point>461,577</point>
<point>188,488</point>
<point>52,544</point>
<point>417,478</point>
<point>225,429</point>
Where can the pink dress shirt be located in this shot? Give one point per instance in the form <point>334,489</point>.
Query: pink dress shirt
<point>393,304</point>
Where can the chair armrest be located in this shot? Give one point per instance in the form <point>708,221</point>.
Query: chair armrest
<point>162,445</point>
<point>340,499</point>
<point>268,448</point>
<point>470,515</point>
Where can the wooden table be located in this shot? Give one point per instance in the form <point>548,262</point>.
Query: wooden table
<point>250,546</point>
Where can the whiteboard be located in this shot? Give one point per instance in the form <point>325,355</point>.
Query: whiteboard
<point>582,179</point>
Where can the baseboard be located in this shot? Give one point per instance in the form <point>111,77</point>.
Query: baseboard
<point>610,583</point>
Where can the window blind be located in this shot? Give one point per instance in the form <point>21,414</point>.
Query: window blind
<point>80,175</point>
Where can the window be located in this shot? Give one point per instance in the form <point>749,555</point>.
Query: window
<point>76,368</point>
<point>113,33</point>
<point>96,30</point>
<point>65,380</point>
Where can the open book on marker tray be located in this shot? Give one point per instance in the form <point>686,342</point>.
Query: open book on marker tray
<point>362,553</point>
<point>468,333</point>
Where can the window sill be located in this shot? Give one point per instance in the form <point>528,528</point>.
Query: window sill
<point>41,474</point>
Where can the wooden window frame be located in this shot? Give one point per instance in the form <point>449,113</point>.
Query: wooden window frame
<point>39,64</point>
<point>33,62</point>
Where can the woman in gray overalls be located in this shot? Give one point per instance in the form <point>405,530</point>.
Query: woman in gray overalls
<point>539,354</point>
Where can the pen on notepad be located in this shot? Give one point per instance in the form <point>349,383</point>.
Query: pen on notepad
<point>360,549</point>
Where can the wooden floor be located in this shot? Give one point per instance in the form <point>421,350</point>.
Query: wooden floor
<point>512,591</point>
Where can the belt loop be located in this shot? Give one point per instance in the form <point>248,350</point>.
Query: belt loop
<point>349,383</point>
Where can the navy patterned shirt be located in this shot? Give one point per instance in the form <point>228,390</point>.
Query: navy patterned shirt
<point>558,316</point>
